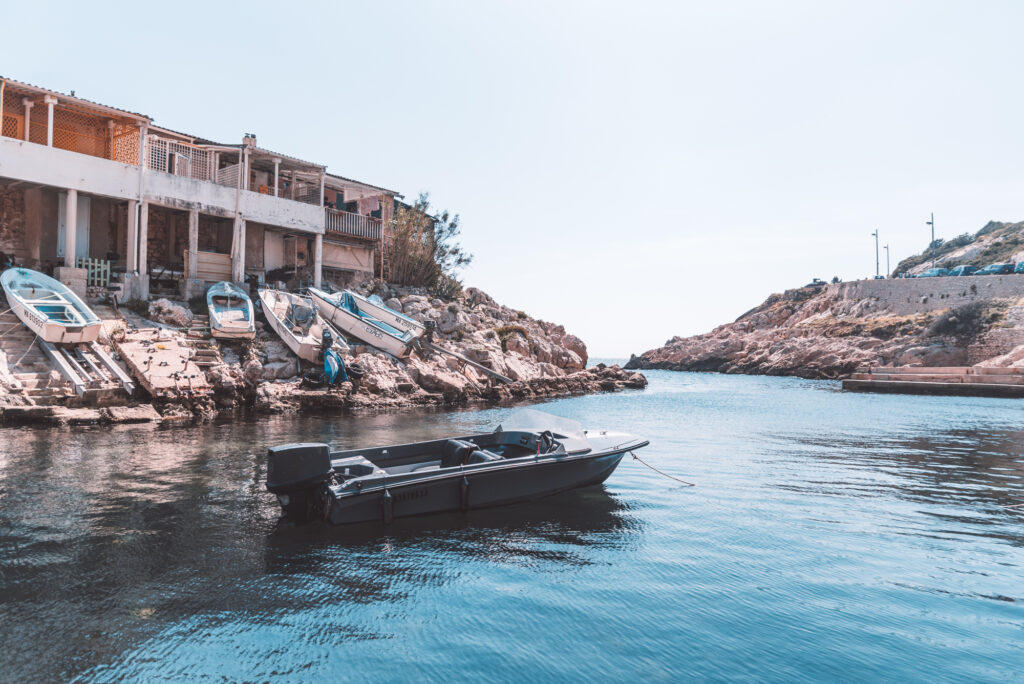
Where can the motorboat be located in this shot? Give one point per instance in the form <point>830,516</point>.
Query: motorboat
<point>374,306</point>
<point>531,455</point>
<point>348,312</point>
<point>231,313</point>
<point>299,324</point>
<point>49,308</point>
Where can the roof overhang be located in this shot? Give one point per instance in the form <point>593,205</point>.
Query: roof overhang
<point>77,101</point>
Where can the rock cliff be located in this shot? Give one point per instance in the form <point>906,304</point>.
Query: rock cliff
<point>830,331</point>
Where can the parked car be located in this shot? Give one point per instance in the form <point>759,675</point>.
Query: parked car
<point>1020,268</point>
<point>996,269</point>
<point>934,273</point>
<point>963,270</point>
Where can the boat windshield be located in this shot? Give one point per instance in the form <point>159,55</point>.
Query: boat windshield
<point>532,420</point>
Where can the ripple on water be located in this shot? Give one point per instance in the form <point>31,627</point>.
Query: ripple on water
<point>829,536</point>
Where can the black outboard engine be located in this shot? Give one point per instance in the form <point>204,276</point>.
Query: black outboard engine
<point>296,473</point>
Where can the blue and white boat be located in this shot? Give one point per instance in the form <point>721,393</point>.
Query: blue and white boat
<point>231,312</point>
<point>49,308</point>
<point>376,325</point>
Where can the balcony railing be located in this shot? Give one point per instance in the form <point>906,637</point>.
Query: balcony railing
<point>354,225</point>
<point>180,159</point>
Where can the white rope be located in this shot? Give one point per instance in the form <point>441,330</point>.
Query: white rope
<point>637,458</point>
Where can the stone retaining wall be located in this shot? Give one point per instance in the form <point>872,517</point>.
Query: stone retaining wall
<point>904,296</point>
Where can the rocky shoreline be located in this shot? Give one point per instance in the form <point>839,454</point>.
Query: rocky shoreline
<point>828,332</point>
<point>264,377</point>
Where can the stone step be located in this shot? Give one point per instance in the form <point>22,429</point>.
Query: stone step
<point>947,378</point>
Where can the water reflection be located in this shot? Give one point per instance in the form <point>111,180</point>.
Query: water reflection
<point>819,519</point>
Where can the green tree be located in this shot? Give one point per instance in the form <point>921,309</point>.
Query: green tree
<point>424,248</point>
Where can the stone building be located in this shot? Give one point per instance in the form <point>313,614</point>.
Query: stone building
<point>87,189</point>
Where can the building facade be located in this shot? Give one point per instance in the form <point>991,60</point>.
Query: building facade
<point>88,187</point>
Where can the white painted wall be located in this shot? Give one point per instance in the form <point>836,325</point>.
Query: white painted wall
<point>59,168</point>
<point>350,257</point>
<point>273,250</point>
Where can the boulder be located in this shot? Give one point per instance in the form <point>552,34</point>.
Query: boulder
<point>167,312</point>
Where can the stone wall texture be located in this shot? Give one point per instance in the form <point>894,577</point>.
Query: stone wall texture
<point>12,221</point>
<point>904,296</point>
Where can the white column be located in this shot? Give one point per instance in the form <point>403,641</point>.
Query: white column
<point>277,172</point>
<point>192,267</point>
<point>50,100</point>
<point>322,178</point>
<point>131,249</point>
<point>28,115</point>
<point>318,259</point>
<point>143,237</point>
<point>245,170</point>
<point>238,253</point>
<point>70,227</point>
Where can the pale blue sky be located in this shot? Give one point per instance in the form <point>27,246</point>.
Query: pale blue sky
<point>631,170</point>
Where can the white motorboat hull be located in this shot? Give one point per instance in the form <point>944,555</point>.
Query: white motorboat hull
<point>389,316</point>
<point>306,347</point>
<point>355,326</point>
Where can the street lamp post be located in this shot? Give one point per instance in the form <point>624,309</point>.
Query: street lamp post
<point>931,245</point>
<point>887,271</point>
<point>875,234</point>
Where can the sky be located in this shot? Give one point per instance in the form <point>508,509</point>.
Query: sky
<point>633,171</point>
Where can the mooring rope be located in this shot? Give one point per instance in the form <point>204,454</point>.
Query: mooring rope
<point>671,477</point>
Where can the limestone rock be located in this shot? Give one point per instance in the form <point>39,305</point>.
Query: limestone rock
<point>167,312</point>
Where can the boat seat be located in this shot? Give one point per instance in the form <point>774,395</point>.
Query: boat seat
<point>481,456</point>
<point>456,452</point>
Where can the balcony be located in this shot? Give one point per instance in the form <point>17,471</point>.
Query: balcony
<point>351,225</point>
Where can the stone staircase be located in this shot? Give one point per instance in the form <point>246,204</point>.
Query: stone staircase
<point>28,364</point>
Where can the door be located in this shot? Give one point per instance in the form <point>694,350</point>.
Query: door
<point>82,227</point>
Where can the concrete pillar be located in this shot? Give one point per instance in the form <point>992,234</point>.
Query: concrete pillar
<point>277,174</point>
<point>192,267</point>
<point>131,248</point>
<point>70,227</point>
<point>323,178</point>
<point>143,238</point>
<point>238,252</point>
<point>318,259</point>
<point>28,116</point>
<point>50,100</point>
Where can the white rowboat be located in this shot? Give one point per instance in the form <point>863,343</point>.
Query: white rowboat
<point>231,313</point>
<point>49,308</point>
<point>297,322</point>
<point>344,311</point>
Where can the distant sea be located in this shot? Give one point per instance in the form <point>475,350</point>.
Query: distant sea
<point>829,537</point>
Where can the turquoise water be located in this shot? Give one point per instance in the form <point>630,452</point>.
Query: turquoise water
<point>829,536</point>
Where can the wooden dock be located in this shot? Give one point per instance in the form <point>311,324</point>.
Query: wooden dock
<point>970,381</point>
<point>163,363</point>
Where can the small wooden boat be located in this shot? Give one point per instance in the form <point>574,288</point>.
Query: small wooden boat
<point>49,308</point>
<point>297,322</point>
<point>344,311</point>
<point>231,313</point>
<point>534,454</point>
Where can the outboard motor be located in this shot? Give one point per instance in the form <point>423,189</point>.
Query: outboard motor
<point>296,473</point>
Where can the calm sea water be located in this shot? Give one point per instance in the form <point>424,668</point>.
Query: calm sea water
<point>830,536</point>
